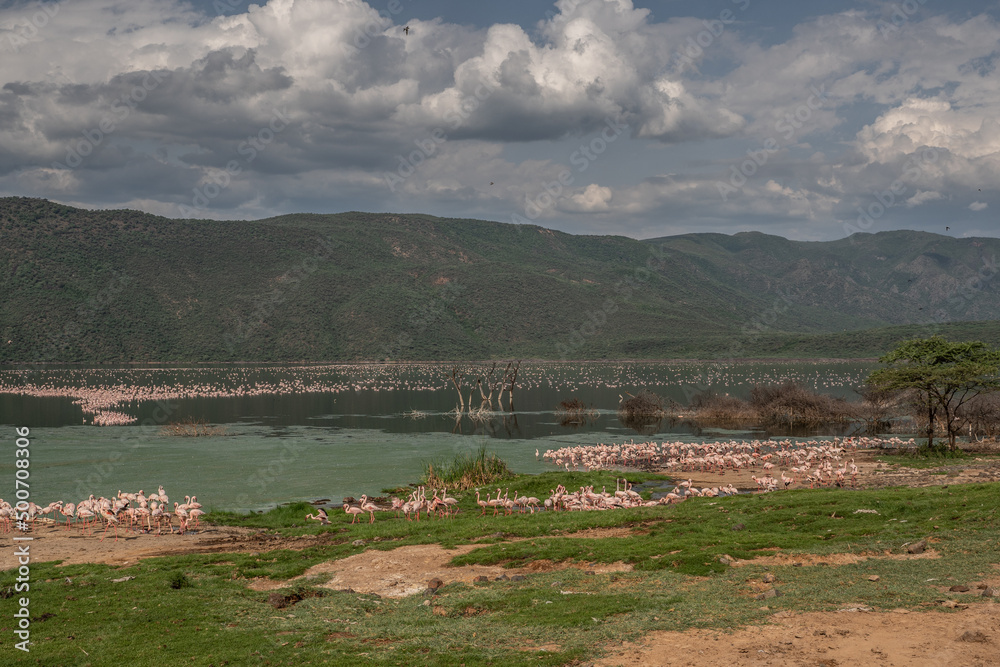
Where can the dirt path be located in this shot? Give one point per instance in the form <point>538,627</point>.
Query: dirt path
<point>954,638</point>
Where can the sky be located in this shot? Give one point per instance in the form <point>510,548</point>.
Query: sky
<point>812,121</point>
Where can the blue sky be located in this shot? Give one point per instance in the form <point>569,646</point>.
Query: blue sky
<point>806,120</point>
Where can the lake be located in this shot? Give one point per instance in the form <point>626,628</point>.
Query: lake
<point>303,432</point>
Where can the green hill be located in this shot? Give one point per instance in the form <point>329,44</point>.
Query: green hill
<point>113,286</point>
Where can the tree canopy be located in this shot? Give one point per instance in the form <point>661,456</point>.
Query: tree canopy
<point>944,375</point>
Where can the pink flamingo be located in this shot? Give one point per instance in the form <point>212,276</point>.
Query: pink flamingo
<point>354,511</point>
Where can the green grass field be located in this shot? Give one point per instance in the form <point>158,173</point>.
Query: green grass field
<point>198,610</point>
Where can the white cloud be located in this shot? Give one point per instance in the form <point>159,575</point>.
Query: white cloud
<point>978,206</point>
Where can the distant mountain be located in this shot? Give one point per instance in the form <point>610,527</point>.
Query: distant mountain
<point>115,286</point>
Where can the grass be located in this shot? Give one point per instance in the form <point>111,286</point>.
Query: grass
<point>212,618</point>
<point>467,471</point>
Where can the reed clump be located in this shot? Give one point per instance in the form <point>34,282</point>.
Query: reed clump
<point>792,404</point>
<point>467,471</point>
<point>192,428</point>
<point>786,404</point>
<point>574,412</point>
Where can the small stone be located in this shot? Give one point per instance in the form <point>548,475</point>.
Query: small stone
<point>502,577</point>
<point>796,564</point>
<point>959,589</point>
<point>974,636</point>
<point>768,578</point>
<point>435,583</point>
<point>118,581</point>
<point>480,580</point>
<point>556,584</point>
<point>358,543</point>
<point>726,559</point>
<point>768,594</point>
<point>990,592</point>
<point>873,577</point>
<point>426,603</point>
<point>518,577</point>
<point>917,547</point>
<point>737,527</point>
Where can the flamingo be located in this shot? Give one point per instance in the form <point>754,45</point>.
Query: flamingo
<point>320,516</point>
<point>353,511</point>
<point>109,520</point>
<point>368,506</point>
<point>481,503</point>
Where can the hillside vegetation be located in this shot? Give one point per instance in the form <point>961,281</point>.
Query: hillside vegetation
<point>114,286</point>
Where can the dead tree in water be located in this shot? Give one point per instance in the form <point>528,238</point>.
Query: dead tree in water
<point>509,381</point>
<point>455,377</point>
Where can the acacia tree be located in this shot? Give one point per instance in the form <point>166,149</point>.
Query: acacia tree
<point>943,375</point>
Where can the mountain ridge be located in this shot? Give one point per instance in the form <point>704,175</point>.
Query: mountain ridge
<point>120,285</point>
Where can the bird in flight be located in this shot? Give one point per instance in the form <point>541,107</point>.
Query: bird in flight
<point>947,228</point>
<point>406,30</point>
<point>491,182</point>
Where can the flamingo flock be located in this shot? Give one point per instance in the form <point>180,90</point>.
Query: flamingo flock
<point>134,512</point>
<point>102,394</point>
<point>813,461</point>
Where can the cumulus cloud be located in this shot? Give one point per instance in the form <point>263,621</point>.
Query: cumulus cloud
<point>316,104</point>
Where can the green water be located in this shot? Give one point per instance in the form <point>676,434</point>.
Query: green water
<point>351,437</point>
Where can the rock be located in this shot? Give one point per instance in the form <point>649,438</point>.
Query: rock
<point>435,583</point>
<point>768,594</point>
<point>556,584</point>
<point>426,603</point>
<point>726,559</point>
<point>737,527</point>
<point>990,592</point>
<point>480,580</point>
<point>768,578</point>
<point>590,572</point>
<point>502,577</point>
<point>917,547</point>
<point>358,543</point>
<point>973,636</point>
<point>118,581</point>
<point>959,588</point>
<point>874,577</point>
<point>277,600</point>
<point>520,577</point>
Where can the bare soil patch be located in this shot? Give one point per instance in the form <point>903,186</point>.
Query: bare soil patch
<point>918,639</point>
<point>53,542</point>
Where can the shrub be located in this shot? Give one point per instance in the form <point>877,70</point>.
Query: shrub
<point>467,471</point>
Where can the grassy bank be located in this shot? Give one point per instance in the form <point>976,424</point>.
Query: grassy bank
<point>678,582</point>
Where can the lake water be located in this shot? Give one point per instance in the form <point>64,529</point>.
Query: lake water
<point>302,432</point>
